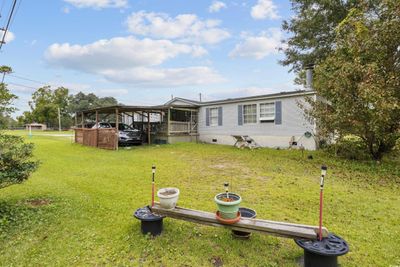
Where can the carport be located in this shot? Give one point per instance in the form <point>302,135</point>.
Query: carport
<point>160,124</point>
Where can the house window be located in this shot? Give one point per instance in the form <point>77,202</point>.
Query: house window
<point>250,113</point>
<point>213,116</point>
<point>267,111</point>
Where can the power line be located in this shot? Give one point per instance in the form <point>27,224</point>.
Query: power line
<point>23,85</point>
<point>8,24</point>
<point>27,79</point>
<point>16,12</point>
<point>35,81</point>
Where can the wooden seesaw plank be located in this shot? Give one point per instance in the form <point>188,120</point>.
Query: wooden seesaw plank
<point>282,229</point>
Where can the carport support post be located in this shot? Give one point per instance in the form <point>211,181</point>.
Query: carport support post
<point>117,126</point>
<point>76,119</point>
<point>148,128</point>
<point>168,121</point>
<point>97,128</point>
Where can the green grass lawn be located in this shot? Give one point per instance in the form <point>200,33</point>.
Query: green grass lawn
<point>77,208</point>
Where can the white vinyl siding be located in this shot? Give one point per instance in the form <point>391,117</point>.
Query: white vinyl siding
<point>213,116</point>
<point>267,111</point>
<point>250,113</point>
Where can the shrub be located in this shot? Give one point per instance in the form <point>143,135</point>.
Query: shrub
<point>349,147</point>
<point>16,162</point>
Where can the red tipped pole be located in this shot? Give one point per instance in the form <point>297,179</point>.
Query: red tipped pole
<point>153,171</point>
<point>321,193</point>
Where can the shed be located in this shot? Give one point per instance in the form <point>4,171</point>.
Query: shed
<point>36,126</point>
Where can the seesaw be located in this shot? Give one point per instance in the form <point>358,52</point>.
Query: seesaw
<point>321,248</point>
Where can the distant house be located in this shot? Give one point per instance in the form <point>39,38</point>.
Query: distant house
<point>273,120</point>
<point>36,126</point>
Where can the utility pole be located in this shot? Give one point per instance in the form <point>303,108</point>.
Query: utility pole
<point>200,97</point>
<point>59,119</point>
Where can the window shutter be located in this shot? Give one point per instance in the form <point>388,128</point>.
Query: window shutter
<point>240,114</point>
<point>207,117</point>
<point>278,112</point>
<point>220,116</point>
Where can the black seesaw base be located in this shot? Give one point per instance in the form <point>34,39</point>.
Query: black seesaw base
<point>323,253</point>
<point>150,222</point>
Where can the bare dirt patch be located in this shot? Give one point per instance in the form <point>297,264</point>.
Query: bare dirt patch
<point>216,261</point>
<point>37,202</point>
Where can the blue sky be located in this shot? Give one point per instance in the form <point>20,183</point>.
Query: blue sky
<point>144,51</point>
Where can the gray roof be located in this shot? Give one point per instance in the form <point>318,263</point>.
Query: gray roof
<point>243,99</point>
<point>194,103</point>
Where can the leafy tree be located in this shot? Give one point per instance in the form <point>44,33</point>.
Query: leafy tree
<point>25,118</point>
<point>15,155</point>
<point>15,160</point>
<point>44,110</point>
<point>7,121</point>
<point>5,70</point>
<point>6,99</point>
<point>45,104</point>
<point>82,101</point>
<point>312,36</point>
<point>359,81</point>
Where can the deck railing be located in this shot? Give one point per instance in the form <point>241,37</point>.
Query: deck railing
<point>179,127</point>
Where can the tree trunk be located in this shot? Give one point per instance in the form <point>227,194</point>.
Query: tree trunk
<point>377,153</point>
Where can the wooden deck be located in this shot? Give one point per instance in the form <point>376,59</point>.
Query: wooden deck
<point>281,229</point>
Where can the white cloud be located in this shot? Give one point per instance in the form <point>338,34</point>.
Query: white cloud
<point>66,10</point>
<point>9,36</point>
<point>131,60</point>
<point>216,6</point>
<point>119,53</point>
<point>264,9</point>
<point>165,77</point>
<point>258,47</point>
<point>98,4</point>
<point>185,27</point>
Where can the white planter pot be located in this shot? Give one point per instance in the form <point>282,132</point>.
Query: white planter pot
<point>168,197</point>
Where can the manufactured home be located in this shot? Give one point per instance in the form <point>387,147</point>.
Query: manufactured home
<point>273,120</point>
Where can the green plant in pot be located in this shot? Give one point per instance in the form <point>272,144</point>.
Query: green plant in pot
<point>228,206</point>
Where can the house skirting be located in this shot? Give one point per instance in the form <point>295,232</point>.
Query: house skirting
<point>171,139</point>
<point>262,140</point>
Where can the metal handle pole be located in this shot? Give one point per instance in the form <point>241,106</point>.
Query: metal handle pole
<point>153,170</point>
<point>321,194</point>
<point>226,185</point>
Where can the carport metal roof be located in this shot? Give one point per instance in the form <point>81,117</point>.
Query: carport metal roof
<point>123,108</point>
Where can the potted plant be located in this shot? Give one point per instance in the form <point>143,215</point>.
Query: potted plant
<point>228,206</point>
<point>168,197</point>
